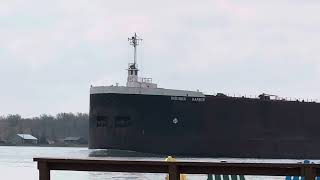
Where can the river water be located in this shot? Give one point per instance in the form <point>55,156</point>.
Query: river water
<point>16,163</point>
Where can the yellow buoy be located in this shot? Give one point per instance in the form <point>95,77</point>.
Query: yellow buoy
<point>172,159</point>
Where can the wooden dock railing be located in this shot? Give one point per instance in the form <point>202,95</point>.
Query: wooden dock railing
<point>174,169</point>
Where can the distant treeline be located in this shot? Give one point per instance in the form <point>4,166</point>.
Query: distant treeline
<point>45,127</point>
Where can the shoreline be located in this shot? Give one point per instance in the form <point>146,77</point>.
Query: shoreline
<point>47,145</point>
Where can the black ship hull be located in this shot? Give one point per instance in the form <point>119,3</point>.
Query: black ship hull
<point>212,126</point>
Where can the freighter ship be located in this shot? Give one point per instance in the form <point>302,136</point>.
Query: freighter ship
<point>144,118</point>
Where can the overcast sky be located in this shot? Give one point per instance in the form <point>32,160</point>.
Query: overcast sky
<point>52,51</point>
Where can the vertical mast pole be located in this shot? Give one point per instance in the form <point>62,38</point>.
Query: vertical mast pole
<point>135,48</point>
<point>134,41</point>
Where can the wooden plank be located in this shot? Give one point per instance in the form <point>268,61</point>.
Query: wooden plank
<point>44,171</point>
<point>110,167</point>
<point>173,172</point>
<point>309,173</point>
<point>224,164</point>
<point>242,170</point>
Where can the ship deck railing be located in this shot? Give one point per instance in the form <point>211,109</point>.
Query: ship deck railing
<point>274,98</point>
<point>174,169</point>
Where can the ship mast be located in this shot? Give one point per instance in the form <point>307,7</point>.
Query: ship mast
<point>133,80</point>
<point>134,41</point>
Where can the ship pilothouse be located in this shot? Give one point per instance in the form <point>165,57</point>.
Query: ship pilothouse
<point>133,79</point>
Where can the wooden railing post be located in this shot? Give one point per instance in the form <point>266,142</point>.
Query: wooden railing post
<point>44,171</point>
<point>174,173</point>
<point>309,173</point>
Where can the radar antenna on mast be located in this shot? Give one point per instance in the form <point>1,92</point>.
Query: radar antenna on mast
<point>134,41</point>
